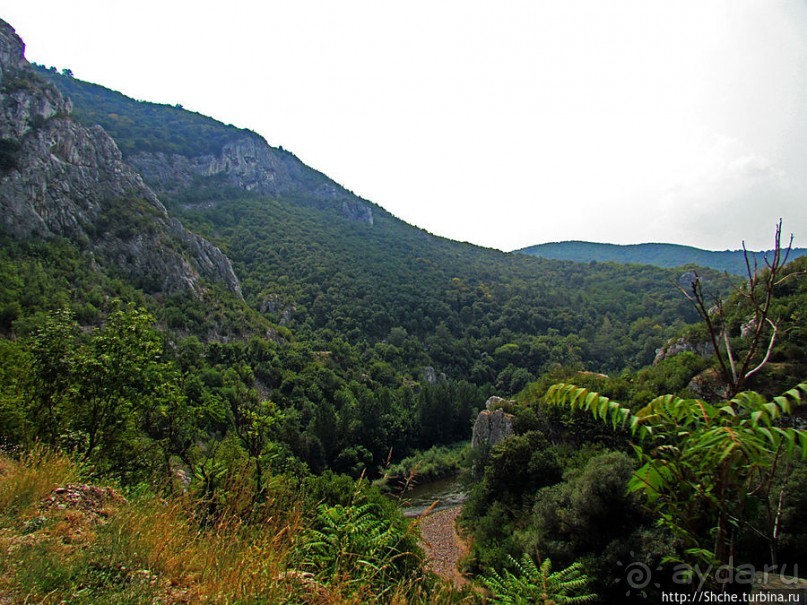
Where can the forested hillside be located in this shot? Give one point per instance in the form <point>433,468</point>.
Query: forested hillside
<point>370,334</point>
<point>649,470</point>
<point>659,255</point>
<point>237,345</point>
<point>305,261</point>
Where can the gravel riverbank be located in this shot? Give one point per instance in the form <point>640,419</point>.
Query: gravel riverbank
<point>443,545</point>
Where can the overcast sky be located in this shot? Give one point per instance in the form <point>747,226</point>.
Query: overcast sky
<point>504,123</point>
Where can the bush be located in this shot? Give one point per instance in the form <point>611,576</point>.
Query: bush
<point>435,463</point>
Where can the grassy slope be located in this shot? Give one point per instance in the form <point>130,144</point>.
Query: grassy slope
<point>68,541</point>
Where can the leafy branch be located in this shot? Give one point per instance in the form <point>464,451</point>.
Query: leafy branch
<point>701,463</point>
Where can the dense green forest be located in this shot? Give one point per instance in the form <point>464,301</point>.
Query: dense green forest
<point>655,470</point>
<point>249,429</point>
<point>375,308</point>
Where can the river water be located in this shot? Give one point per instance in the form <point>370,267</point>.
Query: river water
<point>448,492</point>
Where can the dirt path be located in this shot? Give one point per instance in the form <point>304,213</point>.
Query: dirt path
<point>443,545</point>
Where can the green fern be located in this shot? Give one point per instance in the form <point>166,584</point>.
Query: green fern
<point>539,585</point>
<point>356,545</point>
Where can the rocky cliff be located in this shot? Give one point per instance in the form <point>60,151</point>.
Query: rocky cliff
<point>183,153</point>
<point>249,163</point>
<point>60,178</point>
<point>675,346</point>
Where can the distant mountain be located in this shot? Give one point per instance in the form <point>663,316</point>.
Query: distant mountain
<point>659,255</point>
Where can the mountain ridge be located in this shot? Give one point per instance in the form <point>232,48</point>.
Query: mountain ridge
<point>62,179</point>
<point>179,151</point>
<point>652,253</point>
<point>325,263</point>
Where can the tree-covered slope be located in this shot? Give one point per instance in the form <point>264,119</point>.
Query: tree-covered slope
<point>660,255</point>
<point>140,126</point>
<point>471,313</point>
<point>325,262</point>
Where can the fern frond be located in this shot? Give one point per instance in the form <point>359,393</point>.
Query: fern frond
<point>539,585</point>
<point>601,407</point>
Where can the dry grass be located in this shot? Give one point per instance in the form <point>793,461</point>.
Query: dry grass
<point>25,481</point>
<point>52,552</point>
<point>154,550</point>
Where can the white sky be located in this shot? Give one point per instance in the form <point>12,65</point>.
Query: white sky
<point>506,123</point>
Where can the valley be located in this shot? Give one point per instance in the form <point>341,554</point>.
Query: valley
<point>240,348</point>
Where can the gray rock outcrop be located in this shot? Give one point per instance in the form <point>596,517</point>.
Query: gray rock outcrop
<point>60,178</point>
<point>431,376</point>
<point>12,49</point>
<point>249,163</point>
<point>680,345</point>
<point>493,424</point>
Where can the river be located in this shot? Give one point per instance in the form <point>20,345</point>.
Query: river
<point>448,493</point>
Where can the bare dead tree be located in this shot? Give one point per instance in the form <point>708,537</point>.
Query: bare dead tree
<point>736,367</point>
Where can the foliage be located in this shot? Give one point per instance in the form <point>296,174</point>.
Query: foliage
<point>143,547</point>
<point>137,550</point>
<point>701,464</point>
<point>351,543</point>
<point>88,389</point>
<point>533,584</point>
<point>587,511</point>
<point>437,462</point>
<point>478,315</point>
<point>355,341</point>
<point>492,319</point>
<point>517,467</point>
<point>580,511</point>
<point>363,338</point>
<point>752,305</point>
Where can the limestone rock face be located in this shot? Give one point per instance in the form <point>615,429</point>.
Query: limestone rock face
<point>247,163</point>
<point>250,164</point>
<point>494,403</point>
<point>12,48</point>
<point>431,376</point>
<point>680,345</point>
<point>493,424</point>
<point>356,211</point>
<point>59,178</point>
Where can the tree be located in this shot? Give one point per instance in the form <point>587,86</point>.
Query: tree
<point>53,359</point>
<point>253,419</point>
<point>116,374</point>
<point>758,328</point>
<point>702,464</point>
<point>105,393</point>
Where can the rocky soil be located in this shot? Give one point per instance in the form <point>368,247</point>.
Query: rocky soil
<point>443,545</point>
